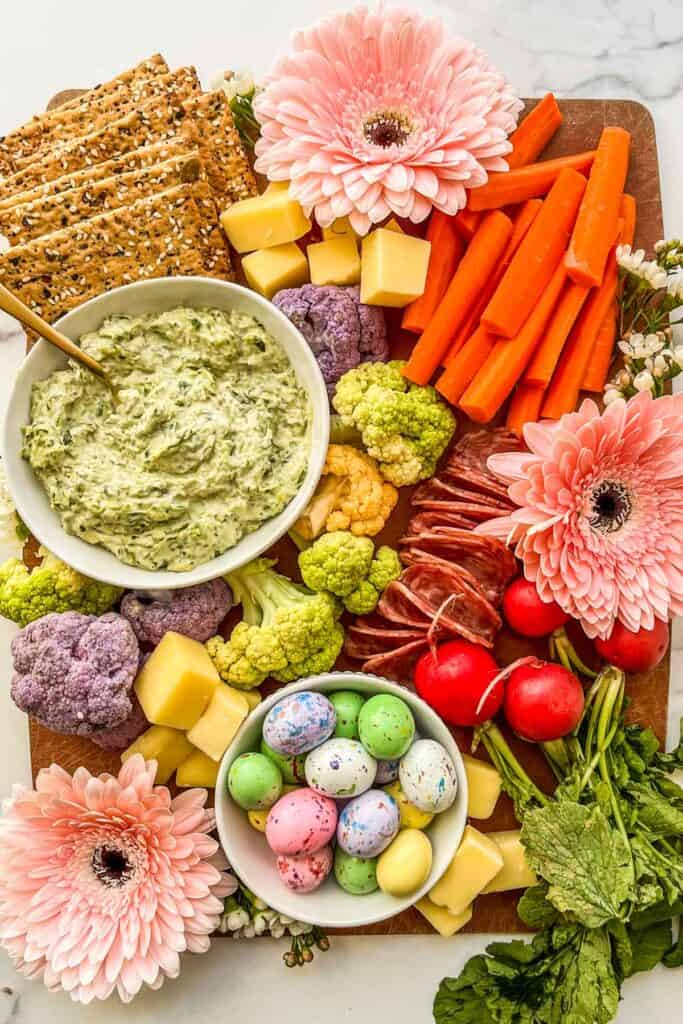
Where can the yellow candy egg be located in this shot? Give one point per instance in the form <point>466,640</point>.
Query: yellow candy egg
<point>405,864</point>
<point>411,816</point>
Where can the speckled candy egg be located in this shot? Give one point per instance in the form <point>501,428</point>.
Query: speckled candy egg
<point>306,872</point>
<point>254,782</point>
<point>356,875</point>
<point>347,705</point>
<point>291,767</point>
<point>340,768</point>
<point>301,822</point>
<point>368,824</point>
<point>428,777</point>
<point>299,722</point>
<point>386,726</point>
<point>387,771</point>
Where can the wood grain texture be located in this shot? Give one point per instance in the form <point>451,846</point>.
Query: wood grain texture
<point>648,693</point>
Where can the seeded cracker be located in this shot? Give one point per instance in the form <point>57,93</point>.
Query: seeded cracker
<point>227,167</point>
<point>33,135</point>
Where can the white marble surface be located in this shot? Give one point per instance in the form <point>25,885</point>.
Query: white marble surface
<point>626,48</point>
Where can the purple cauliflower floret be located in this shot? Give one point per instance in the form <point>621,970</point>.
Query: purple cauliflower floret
<point>196,612</point>
<point>74,672</point>
<point>341,331</point>
<point>121,736</point>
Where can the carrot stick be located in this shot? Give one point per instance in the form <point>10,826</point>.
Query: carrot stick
<point>479,262</point>
<point>525,407</point>
<point>627,212</point>
<point>526,182</point>
<point>507,362</point>
<point>535,261</point>
<point>463,366</point>
<point>467,223</point>
<point>535,132</point>
<point>446,253</point>
<point>596,224</point>
<point>523,220</point>
<point>541,368</point>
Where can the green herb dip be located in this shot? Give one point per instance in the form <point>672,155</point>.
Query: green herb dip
<point>207,440</point>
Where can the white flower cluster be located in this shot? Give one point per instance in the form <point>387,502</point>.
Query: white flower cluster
<point>649,362</point>
<point>235,84</point>
<point>249,919</point>
<point>634,263</point>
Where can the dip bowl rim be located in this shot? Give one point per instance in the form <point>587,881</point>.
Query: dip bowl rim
<point>157,294</point>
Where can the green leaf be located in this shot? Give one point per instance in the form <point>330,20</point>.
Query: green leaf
<point>589,990</point>
<point>535,910</point>
<point>670,762</point>
<point>649,946</point>
<point>459,1000</point>
<point>622,951</point>
<point>586,862</point>
<point>674,958</point>
<point>658,865</point>
<point>661,912</point>
<point>656,812</point>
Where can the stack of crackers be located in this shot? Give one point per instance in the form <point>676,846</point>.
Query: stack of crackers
<point>124,182</point>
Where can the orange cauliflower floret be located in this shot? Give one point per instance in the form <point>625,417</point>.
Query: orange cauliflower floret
<point>352,495</point>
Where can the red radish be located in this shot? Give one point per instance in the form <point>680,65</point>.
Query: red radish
<point>635,652</point>
<point>454,678</point>
<point>527,613</point>
<point>543,701</point>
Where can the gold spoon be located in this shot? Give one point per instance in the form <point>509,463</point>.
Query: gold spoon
<point>11,304</point>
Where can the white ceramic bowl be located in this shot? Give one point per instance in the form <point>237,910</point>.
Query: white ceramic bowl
<point>152,297</point>
<point>330,906</point>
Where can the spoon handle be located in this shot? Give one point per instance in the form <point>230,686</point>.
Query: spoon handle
<point>13,305</point>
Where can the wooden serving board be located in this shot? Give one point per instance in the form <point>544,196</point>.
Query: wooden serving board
<point>584,120</point>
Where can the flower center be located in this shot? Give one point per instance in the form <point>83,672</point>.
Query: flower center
<point>387,128</point>
<point>610,506</point>
<point>111,866</point>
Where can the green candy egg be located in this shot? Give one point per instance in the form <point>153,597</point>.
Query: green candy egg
<point>347,705</point>
<point>254,782</point>
<point>386,726</point>
<point>356,875</point>
<point>291,766</point>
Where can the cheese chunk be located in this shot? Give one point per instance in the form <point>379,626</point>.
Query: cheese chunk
<point>442,920</point>
<point>273,218</point>
<point>477,861</point>
<point>197,770</point>
<point>252,697</point>
<point>215,730</point>
<point>515,872</point>
<point>483,787</point>
<point>339,228</point>
<point>394,269</point>
<point>168,747</point>
<point>177,682</point>
<point>269,270</point>
<point>393,225</point>
<point>334,262</point>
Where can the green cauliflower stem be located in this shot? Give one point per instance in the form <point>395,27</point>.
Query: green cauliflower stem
<point>28,594</point>
<point>286,631</point>
<point>404,426</point>
<point>348,567</point>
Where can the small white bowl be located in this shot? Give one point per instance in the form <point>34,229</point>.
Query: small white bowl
<point>330,906</point>
<point>135,299</point>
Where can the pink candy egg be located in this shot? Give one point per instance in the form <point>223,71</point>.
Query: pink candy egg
<point>302,821</point>
<point>306,872</point>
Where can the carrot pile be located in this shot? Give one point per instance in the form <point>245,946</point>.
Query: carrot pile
<point>521,291</point>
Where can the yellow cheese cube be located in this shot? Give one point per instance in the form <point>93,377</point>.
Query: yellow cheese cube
<point>197,770</point>
<point>252,697</point>
<point>442,920</point>
<point>269,270</point>
<point>276,186</point>
<point>215,730</point>
<point>477,861</point>
<point>168,747</point>
<point>394,268</point>
<point>177,682</point>
<point>334,262</point>
<point>515,872</point>
<point>393,225</point>
<point>263,221</point>
<point>483,787</point>
<point>340,228</point>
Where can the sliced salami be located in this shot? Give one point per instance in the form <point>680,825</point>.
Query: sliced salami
<point>462,608</point>
<point>458,473</point>
<point>491,563</point>
<point>399,663</point>
<point>425,522</point>
<point>398,605</point>
<point>364,641</point>
<point>474,511</point>
<point>438,489</point>
<point>474,448</point>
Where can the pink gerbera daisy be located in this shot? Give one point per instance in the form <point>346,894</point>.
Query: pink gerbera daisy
<point>105,881</point>
<point>380,112</point>
<point>599,526</point>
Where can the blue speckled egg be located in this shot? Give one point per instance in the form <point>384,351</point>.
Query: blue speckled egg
<point>340,767</point>
<point>428,777</point>
<point>387,771</point>
<point>368,824</point>
<point>299,722</point>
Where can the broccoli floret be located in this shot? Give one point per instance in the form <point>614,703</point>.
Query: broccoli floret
<point>286,631</point>
<point>404,426</point>
<point>347,566</point>
<point>28,594</point>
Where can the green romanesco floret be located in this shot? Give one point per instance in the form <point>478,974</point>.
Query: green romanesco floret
<point>404,426</point>
<point>348,567</point>
<point>28,594</point>
<point>286,631</point>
